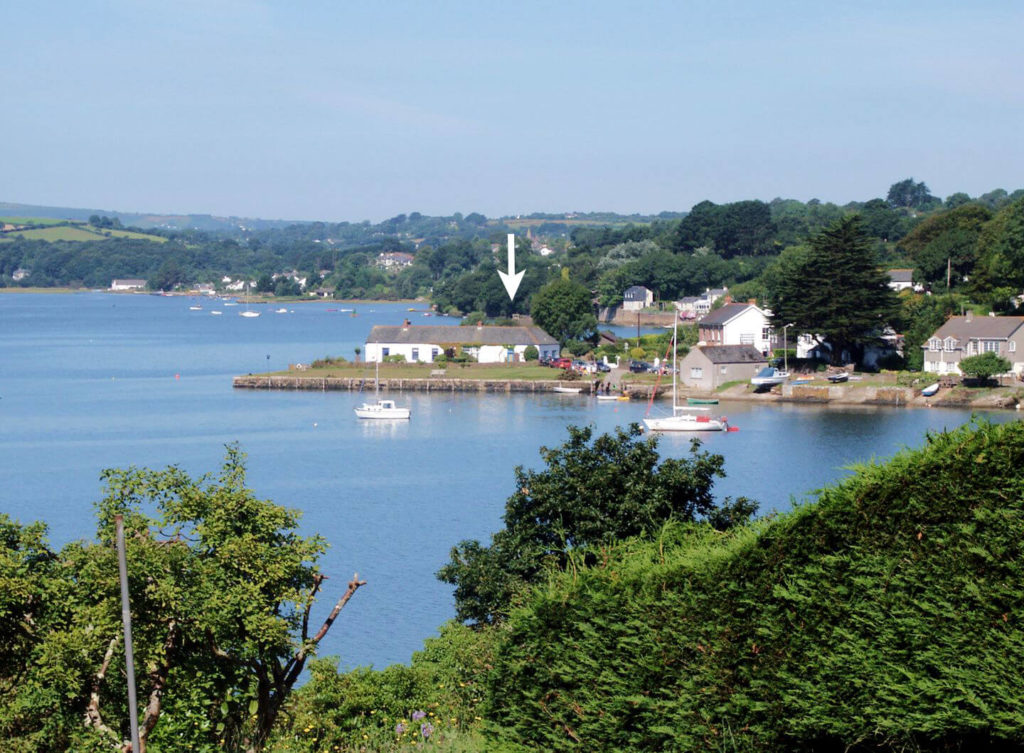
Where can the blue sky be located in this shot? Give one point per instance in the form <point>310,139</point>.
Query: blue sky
<point>334,110</point>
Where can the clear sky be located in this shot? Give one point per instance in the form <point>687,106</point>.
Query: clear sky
<point>349,110</point>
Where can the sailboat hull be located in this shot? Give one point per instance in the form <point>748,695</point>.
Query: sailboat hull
<point>685,423</point>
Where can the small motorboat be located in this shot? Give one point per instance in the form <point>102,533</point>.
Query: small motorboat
<point>702,401</point>
<point>930,390</point>
<point>769,377</point>
<point>839,377</point>
<point>567,390</point>
<point>382,409</point>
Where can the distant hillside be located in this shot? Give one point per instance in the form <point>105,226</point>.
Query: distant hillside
<point>206,222</point>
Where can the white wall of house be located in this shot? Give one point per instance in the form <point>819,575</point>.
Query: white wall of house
<point>413,352</point>
<point>750,327</point>
<point>428,352</point>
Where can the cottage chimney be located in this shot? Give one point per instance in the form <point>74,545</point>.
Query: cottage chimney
<point>405,325</point>
<point>969,316</point>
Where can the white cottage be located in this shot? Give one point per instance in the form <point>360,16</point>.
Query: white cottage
<point>485,343</point>
<point>737,324</point>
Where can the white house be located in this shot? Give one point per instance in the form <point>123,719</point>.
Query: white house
<point>702,306</point>
<point>394,260</point>
<point>737,324</point>
<point>970,335</point>
<point>636,297</point>
<point>901,279</point>
<point>485,343</point>
<point>128,284</point>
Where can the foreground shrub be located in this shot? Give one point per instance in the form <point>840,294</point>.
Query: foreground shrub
<point>886,616</point>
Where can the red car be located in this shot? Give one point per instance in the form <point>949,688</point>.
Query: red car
<point>562,363</point>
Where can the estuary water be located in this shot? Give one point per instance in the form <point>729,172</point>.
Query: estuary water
<point>94,380</point>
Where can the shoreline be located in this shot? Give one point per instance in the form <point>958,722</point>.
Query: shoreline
<point>1006,398</point>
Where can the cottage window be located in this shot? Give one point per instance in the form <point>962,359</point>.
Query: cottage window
<point>971,348</point>
<point>723,370</point>
<point>991,346</point>
<point>950,343</point>
<point>933,344</point>
<point>696,372</point>
<point>415,354</point>
<point>434,353</point>
<point>385,352</point>
<point>1011,346</point>
<point>747,338</point>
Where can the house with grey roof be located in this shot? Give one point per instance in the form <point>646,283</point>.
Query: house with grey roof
<point>487,344</point>
<point>737,324</point>
<point>636,297</point>
<point>901,279</point>
<point>969,335</point>
<point>707,367</point>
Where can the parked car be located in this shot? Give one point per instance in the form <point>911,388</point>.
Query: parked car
<point>561,363</point>
<point>640,367</point>
<point>603,368</point>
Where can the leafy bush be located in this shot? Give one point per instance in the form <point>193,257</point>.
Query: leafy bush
<point>395,358</point>
<point>530,353</point>
<point>886,616</point>
<point>985,366</point>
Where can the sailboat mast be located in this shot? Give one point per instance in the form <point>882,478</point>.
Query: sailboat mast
<point>675,347</point>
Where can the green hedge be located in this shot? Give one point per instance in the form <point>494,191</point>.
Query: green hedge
<point>885,616</point>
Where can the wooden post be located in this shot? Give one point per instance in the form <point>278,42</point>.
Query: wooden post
<point>126,618</point>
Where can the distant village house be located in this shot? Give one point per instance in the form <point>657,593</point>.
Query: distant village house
<point>487,344</point>
<point>394,260</point>
<point>969,335</point>
<point>737,324</point>
<point>708,367</point>
<point>128,284</point>
<point>636,298</point>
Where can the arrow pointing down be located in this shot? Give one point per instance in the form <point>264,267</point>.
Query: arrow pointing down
<point>513,278</point>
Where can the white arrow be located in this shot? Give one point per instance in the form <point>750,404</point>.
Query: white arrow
<point>513,278</point>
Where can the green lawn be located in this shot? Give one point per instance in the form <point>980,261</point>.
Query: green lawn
<point>63,233</point>
<point>422,371</point>
<point>30,221</point>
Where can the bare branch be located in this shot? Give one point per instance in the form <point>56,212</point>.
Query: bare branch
<point>158,680</point>
<point>92,711</point>
<point>299,659</point>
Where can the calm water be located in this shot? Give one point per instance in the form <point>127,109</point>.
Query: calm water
<point>93,381</point>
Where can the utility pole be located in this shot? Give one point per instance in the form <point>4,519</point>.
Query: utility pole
<point>126,618</point>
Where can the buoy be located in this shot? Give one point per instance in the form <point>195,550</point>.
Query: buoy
<point>177,376</point>
<point>734,428</point>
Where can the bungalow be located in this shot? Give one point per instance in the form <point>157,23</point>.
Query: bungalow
<point>968,335</point>
<point>707,300</point>
<point>901,279</point>
<point>636,297</point>
<point>708,367</point>
<point>128,284</point>
<point>485,343</point>
<point>737,324</point>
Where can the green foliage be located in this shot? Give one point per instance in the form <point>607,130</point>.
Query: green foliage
<point>563,309</point>
<point>530,353</point>
<point>1001,251</point>
<point>395,358</point>
<point>833,288</point>
<point>886,616</point>
<point>984,366</point>
<point>947,242</point>
<point>921,315</point>
<point>221,589</point>
<point>385,710</point>
<point>910,195</point>
<point>591,492</point>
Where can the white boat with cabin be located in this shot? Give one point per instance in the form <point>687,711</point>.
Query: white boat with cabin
<point>769,377</point>
<point>381,409</point>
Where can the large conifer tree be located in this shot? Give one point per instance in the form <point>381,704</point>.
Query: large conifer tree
<point>834,290</point>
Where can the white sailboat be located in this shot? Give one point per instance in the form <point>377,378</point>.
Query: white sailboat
<point>247,313</point>
<point>684,418</point>
<point>381,408</point>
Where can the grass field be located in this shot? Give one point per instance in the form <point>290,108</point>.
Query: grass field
<point>30,221</point>
<point>77,232</point>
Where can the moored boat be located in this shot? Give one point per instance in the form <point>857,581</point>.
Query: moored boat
<point>769,376</point>
<point>382,409</point>
<point>930,390</point>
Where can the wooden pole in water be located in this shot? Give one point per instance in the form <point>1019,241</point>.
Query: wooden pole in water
<point>126,618</point>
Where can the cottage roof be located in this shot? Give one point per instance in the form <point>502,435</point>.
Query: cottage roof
<point>732,354</point>
<point>453,333</point>
<point>726,313</point>
<point>979,327</point>
<point>901,275</point>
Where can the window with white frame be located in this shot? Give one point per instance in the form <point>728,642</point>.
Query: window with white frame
<point>746,338</point>
<point>991,346</point>
<point>934,344</point>
<point>723,370</point>
<point>950,343</point>
<point>1011,346</point>
<point>415,354</point>
<point>696,372</point>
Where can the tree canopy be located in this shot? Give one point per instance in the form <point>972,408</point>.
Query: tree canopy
<point>564,310</point>
<point>592,491</point>
<point>222,589</point>
<point>834,290</point>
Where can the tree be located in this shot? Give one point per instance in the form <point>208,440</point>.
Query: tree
<point>564,310</point>
<point>1001,251</point>
<point>985,366</point>
<point>910,195</point>
<point>222,589</point>
<point>946,242</point>
<point>834,290</point>
<point>591,492</point>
